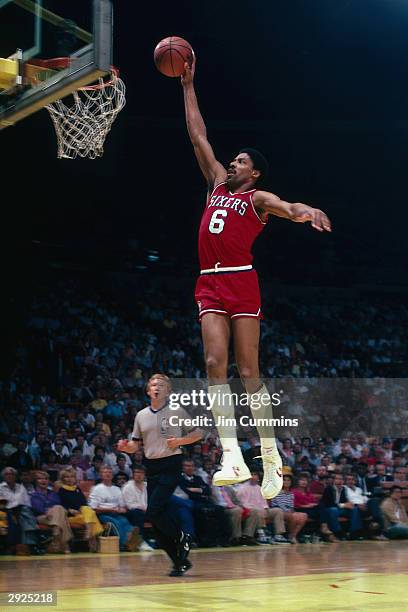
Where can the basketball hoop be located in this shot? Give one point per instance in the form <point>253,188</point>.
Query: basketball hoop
<point>81,129</point>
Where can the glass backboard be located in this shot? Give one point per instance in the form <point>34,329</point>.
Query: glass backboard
<point>33,33</point>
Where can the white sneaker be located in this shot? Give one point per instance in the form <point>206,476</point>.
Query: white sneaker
<point>272,468</point>
<point>233,469</point>
<point>145,547</point>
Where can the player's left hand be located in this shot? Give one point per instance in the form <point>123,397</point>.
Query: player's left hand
<point>320,220</point>
<point>173,442</point>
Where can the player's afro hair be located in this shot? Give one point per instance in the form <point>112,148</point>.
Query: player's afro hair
<point>258,160</point>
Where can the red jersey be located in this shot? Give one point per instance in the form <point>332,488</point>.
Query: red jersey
<point>228,229</point>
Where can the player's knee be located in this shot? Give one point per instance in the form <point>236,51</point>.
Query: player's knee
<point>248,372</point>
<point>216,367</point>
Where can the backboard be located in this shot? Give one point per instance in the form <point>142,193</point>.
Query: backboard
<point>35,32</point>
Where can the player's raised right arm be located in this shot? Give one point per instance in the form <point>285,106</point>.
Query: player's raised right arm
<point>213,171</point>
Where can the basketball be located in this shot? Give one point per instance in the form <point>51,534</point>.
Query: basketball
<point>170,55</point>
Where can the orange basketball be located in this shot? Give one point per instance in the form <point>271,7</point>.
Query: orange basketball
<point>171,54</point>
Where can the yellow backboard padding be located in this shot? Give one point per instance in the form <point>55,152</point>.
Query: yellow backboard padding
<point>8,72</point>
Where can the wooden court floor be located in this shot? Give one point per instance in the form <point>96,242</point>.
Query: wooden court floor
<point>348,576</point>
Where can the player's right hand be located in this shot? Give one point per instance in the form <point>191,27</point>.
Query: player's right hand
<point>127,446</point>
<point>188,76</point>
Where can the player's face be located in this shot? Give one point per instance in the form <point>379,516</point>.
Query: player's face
<point>241,170</point>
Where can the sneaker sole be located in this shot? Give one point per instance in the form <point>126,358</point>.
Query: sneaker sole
<point>268,495</point>
<point>220,482</point>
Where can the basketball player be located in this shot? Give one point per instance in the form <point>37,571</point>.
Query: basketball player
<point>227,291</point>
<point>163,455</point>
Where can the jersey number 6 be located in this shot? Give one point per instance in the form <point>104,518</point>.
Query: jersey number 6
<point>216,224</point>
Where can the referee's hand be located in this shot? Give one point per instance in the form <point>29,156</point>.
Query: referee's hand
<point>127,446</point>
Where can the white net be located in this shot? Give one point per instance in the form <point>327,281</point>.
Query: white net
<point>82,128</point>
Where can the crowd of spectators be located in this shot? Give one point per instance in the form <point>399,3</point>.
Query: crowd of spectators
<point>79,380</point>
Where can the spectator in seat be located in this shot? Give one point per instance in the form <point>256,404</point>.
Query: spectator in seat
<point>116,408</point>
<point>285,500</point>
<point>22,524</point>
<point>206,471</point>
<point>35,446</point>
<point>287,452</point>
<point>395,515</point>
<point>80,515</point>
<point>387,449</point>
<point>99,403</point>
<point>203,505</point>
<point>21,460</point>
<point>94,472</point>
<point>244,522</point>
<point>74,462</point>
<point>319,482</point>
<point>104,426</point>
<point>368,507</point>
<point>86,419</point>
<point>61,450</point>
<point>306,502</point>
<point>27,479</point>
<point>134,495</point>
<point>51,466</point>
<point>10,446</point>
<point>120,479</point>
<point>47,508</point>
<point>314,458</point>
<point>337,504</point>
<point>107,501</point>
<point>83,446</point>
<point>378,480</point>
<point>362,479</point>
<point>122,466</point>
<point>400,477</point>
<point>250,496</point>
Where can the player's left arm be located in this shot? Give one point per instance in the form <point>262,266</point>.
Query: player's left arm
<point>271,204</point>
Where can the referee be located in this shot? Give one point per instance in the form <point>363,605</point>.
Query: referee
<point>163,456</point>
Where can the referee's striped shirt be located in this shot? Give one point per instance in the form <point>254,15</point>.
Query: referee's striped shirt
<point>154,427</point>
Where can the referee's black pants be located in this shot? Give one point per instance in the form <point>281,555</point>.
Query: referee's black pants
<point>163,476</point>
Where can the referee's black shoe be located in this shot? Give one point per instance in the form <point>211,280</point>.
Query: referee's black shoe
<point>180,570</point>
<point>183,547</point>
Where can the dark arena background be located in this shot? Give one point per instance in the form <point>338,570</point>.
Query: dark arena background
<point>98,268</point>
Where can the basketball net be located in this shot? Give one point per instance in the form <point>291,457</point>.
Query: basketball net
<point>82,128</point>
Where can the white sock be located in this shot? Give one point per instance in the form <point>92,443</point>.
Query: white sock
<point>261,408</point>
<point>223,406</point>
